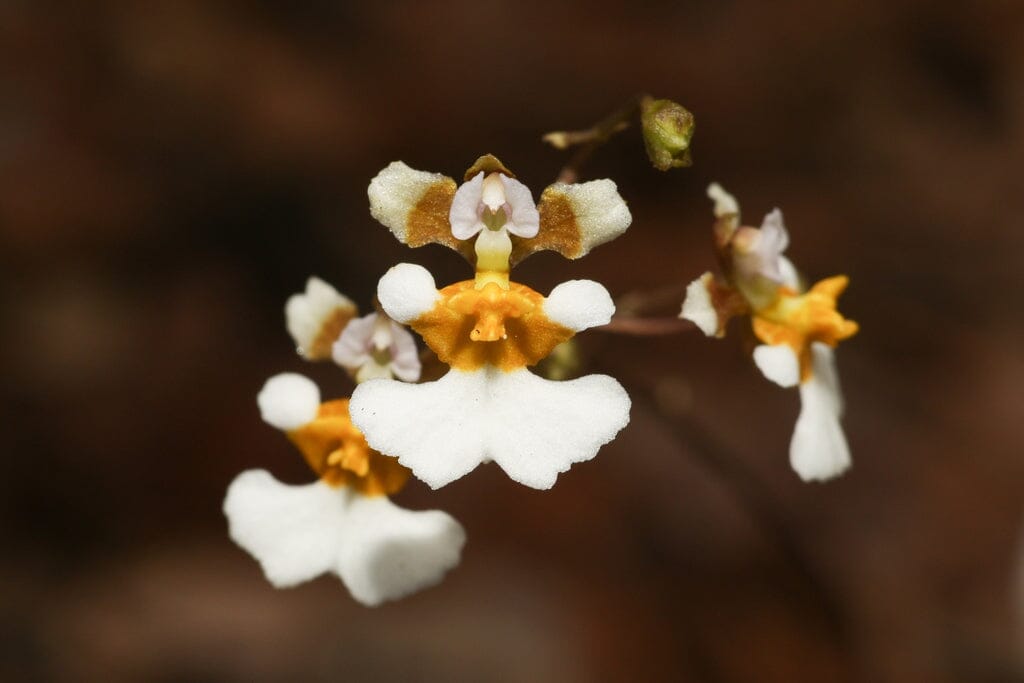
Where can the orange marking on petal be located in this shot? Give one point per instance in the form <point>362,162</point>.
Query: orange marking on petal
<point>330,330</point>
<point>798,320</point>
<point>559,230</point>
<point>337,451</point>
<point>427,222</point>
<point>493,325</point>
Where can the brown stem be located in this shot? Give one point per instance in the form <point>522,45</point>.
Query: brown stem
<point>591,138</point>
<point>647,327</point>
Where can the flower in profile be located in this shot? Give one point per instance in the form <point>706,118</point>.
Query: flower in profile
<point>798,329</point>
<point>490,329</point>
<point>344,523</point>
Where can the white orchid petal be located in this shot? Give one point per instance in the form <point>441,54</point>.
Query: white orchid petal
<point>295,532</point>
<point>405,357</point>
<point>773,231</point>
<point>407,291</point>
<point>765,256</point>
<point>778,363</point>
<point>396,191</point>
<point>725,203</point>
<point>525,219</point>
<point>697,306</point>
<point>288,401</point>
<point>464,215</point>
<point>789,274</point>
<point>819,450</point>
<point>390,552</point>
<point>352,350</point>
<point>579,304</point>
<point>532,427</point>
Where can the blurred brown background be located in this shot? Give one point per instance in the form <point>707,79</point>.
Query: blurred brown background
<point>171,171</point>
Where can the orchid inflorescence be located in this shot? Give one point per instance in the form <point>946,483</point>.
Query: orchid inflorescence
<point>489,406</point>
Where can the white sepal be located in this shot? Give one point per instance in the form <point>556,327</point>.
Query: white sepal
<point>379,550</point>
<point>579,304</point>
<point>697,306</point>
<point>532,427</point>
<point>306,313</point>
<point>725,203</point>
<point>396,191</point>
<point>819,450</point>
<point>600,212</point>
<point>288,401</point>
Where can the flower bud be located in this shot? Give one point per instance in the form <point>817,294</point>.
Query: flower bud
<point>668,128</point>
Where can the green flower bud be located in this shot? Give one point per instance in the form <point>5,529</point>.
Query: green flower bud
<point>668,128</point>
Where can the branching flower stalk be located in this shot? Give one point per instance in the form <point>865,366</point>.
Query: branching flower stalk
<point>488,331</point>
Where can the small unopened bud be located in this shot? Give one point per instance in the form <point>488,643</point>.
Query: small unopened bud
<point>668,128</point>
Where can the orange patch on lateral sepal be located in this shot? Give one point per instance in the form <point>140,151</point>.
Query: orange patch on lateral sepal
<point>504,327</point>
<point>337,451</point>
<point>798,320</point>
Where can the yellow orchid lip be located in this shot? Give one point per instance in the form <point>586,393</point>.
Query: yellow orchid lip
<point>472,326</point>
<point>491,305</point>
<point>336,450</point>
<point>798,320</point>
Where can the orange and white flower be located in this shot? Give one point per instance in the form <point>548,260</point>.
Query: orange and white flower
<point>798,329</point>
<point>344,523</point>
<point>323,324</point>
<point>316,317</point>
<point>489,330</point>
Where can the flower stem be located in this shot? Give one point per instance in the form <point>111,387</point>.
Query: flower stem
<point>647,327</point>
<point>590,139</point>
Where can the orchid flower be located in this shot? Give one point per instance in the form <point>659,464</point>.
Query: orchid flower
<point>343,523</point>
<point>798,329</point>
<point>323,324</point>
<point>490,329</point>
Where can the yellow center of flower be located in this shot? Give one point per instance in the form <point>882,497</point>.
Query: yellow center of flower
<point>798,320</point>
<point>480,322</point>
<point>337,451</point>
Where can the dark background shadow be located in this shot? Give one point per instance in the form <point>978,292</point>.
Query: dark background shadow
<point>171,171</point>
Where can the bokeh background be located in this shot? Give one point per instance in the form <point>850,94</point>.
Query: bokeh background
<point>171,170</point>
